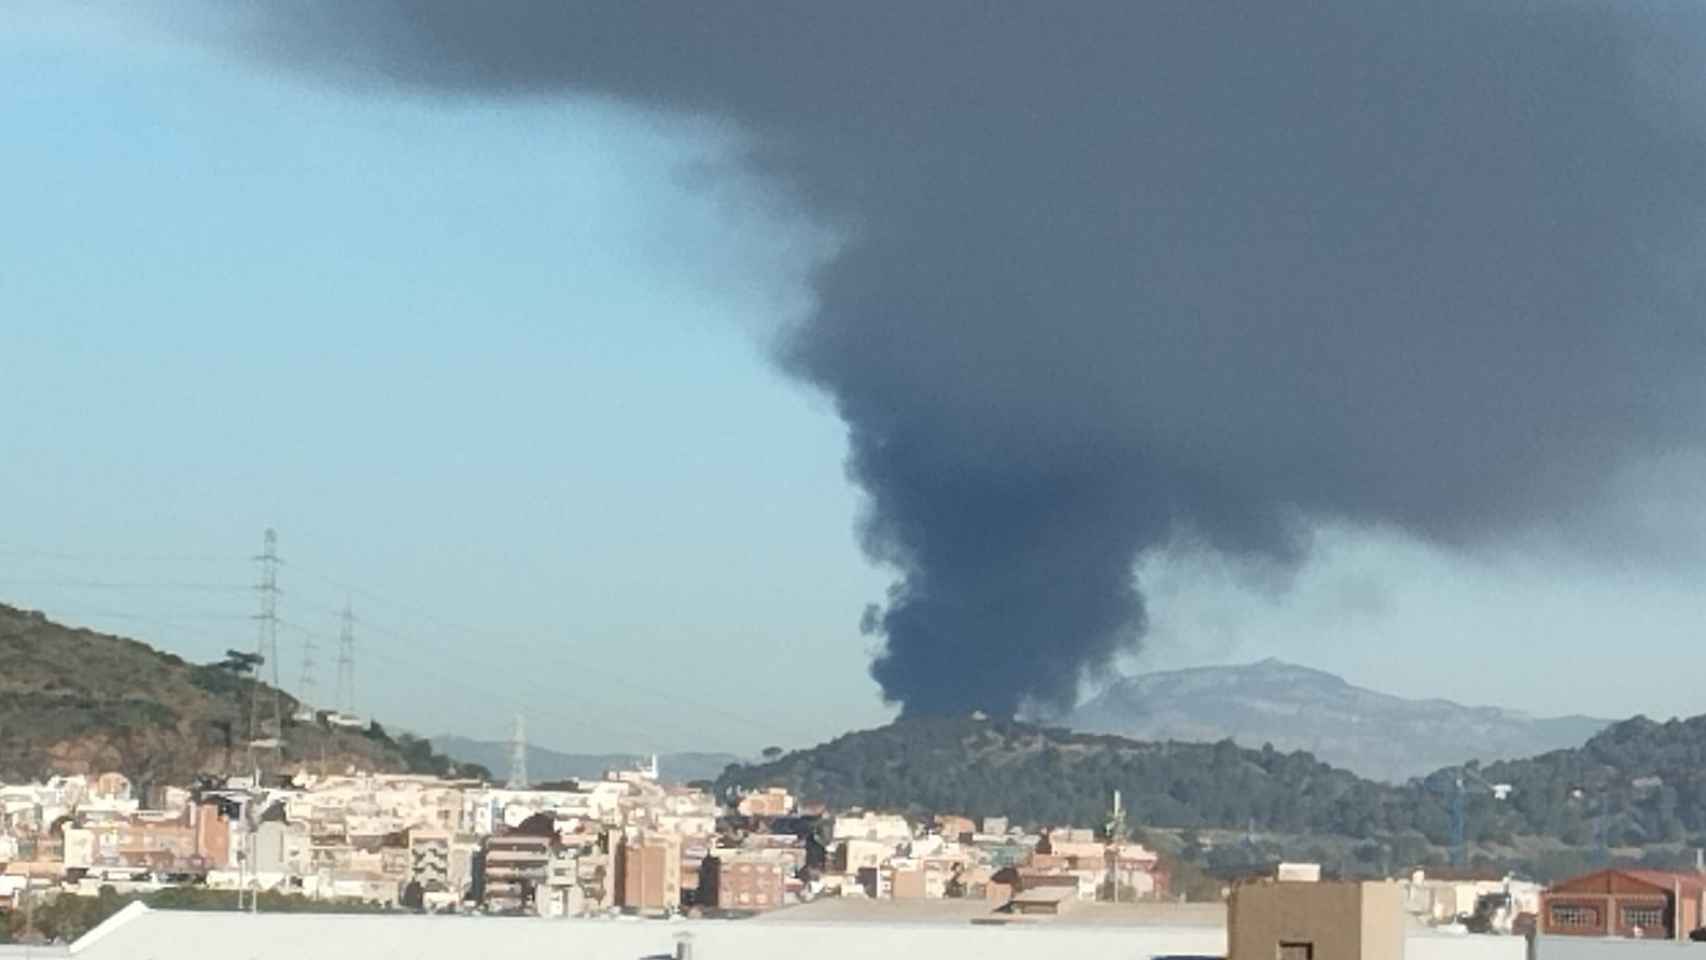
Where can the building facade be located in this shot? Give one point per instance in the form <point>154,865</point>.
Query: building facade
<point>1644,904</point>
<point>742,882</point>
<point>1277,920</point>
<point>648,873</point>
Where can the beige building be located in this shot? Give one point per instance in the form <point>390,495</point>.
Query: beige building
<point>769,802</point>
<point>1272,920</point>
<point>888,828</point>
<point>648,872</point>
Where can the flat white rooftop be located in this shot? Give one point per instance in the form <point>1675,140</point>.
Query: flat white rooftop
<point>141,934</point>
<point>826,930</point>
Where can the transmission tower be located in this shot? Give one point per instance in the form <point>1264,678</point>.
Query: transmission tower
<point>266,700</point>
<point>305,690</point>
<point>518,755</point>
<point>346,663</point>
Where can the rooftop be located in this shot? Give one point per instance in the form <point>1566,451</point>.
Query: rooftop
<point>1095,931</point>
<point>958,913</point>
<point>169,935</point>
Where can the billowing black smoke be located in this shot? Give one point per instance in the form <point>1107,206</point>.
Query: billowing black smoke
<point>1118,273</point>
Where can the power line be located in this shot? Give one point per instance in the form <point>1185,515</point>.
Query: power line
<point>269,623</point>
<point>639,740</point>
<point>12,546</point>
<point>609,676</point>
<point>112,585</point>
<point>174,621</point>
<point>475,692</point>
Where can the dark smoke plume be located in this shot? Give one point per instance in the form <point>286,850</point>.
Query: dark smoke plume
<point>1118,273</point>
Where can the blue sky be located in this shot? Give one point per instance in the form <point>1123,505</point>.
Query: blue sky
<point>501,366</point>
<point>497,375</point>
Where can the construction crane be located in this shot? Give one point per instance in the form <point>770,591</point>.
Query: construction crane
<point>1461,779</point>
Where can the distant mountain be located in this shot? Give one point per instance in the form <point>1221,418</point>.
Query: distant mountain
<point>543,764</point>
<point>1377,735</point>
<point>77,701</point>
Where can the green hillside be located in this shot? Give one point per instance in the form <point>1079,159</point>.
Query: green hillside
<point>1638,783</point>
<point>77,701</point>
<point>1635,792</point>
<point>1043,776</point>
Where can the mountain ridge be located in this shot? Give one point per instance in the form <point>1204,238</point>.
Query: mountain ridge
<point>544,764</point>
<point>1378,735</point>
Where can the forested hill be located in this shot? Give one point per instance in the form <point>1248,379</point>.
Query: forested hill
<point>1636,783</point>
<point>1043,776</point>
<point>77,701</point>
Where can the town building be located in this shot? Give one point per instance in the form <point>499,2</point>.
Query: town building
<point>429,860</point>
<point>769,802</point>
<point>1282,920</point>
<point>1644,904</point>
<point>742,881</point>
<point>887,828</point>
<point>648,873</point>
<point>954,827</point>
<point>512,867</point>
<point>1488,901</point>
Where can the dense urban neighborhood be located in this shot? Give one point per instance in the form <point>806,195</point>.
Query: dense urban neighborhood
<point>622,843</point>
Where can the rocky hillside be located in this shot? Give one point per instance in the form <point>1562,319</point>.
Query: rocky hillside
<point>1378,735</point>
<point>77,701</point>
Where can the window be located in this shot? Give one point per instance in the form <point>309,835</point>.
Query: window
<point>1574,915</point>
<point>1644,916</point>
<point>1295,950</point>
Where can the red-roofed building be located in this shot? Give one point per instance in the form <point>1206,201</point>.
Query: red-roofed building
<point>1648,904</point>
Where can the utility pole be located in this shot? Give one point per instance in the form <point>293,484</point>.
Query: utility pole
<point>346,662</point>
<point>518,754</point>
<point>1115,836</point>
<point>265,697</point>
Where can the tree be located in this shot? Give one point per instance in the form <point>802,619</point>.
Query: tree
<point>771,753</point>
<point>238,662</point>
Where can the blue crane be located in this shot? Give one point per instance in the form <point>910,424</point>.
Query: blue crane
<point>1459,809</point>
